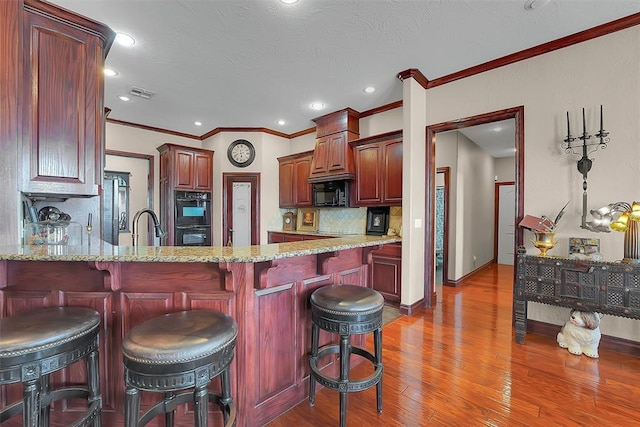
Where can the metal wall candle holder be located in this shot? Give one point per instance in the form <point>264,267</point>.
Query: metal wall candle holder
<point>585,148</point>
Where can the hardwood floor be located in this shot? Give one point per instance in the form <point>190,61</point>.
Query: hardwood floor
<point>457,364</point>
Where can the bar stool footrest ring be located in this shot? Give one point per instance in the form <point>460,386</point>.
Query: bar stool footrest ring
<point>180,399</point>
<point>350,385</point>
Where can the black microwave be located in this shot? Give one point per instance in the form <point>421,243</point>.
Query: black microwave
<point>331,194</point>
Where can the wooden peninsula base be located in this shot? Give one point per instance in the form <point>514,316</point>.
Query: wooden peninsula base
<point>267,296</point>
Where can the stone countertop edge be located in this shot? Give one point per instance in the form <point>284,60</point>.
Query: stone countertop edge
<point>104,252</point>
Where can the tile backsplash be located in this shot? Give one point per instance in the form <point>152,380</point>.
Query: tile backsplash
<point>342,220</point>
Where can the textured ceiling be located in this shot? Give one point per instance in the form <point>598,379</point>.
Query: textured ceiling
<point>249,63</point>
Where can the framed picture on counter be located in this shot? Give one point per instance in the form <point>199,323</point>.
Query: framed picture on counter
<point>308,219</point>
<point>377,220</point>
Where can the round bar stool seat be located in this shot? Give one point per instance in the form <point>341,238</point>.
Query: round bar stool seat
<point>35,344</point>
<point>346,310</point>
<point>179,352</point>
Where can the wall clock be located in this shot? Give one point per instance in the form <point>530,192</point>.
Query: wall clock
<point>241,153</point>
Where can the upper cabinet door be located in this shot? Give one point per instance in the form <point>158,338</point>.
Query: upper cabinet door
<point>392,173</point>
<point>187,168</point>
<point>62,108</point>
<point>203,174</point>
<point>294,188</point>
<point>378,170</point>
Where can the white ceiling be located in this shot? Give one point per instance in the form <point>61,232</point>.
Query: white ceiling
<point>249,63</point>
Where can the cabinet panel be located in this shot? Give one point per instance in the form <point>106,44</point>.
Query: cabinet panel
<point>203,173</point>
<point>392,170</point>
<point>276,322</point>
<point>368,166</point>
<point>184,170</point>
<point>286,185</point>
<point>294,188</point>
<point>378,163</point>
<point>302,190</point>
<point>62,114</point>
<point>102,302</point>
<point>385,271</point>
<point>320,156</point>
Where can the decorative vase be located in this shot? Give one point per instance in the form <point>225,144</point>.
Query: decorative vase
<point>544,241</point>
<point>631,243</point>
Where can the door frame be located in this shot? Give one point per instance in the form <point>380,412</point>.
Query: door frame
<point>496,216</point>
<point>150,178</point>
<point>516,113</point>
<point>228,179</point>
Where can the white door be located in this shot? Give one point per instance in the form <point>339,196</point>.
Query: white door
<point>241,214</point>
<point>506,223</point>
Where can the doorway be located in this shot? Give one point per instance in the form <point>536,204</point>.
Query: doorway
<point>505,227</point>
<point>442,225</point>
<point>140,169</point>
<point>516,113</point>
<point>240,209</point>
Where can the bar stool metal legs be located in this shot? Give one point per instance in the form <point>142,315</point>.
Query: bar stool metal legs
<point>346,310</point>
<point>34,345</point>
<point>178,354</point>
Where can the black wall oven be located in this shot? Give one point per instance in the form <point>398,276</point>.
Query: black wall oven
<point>193,208</point>
<point>193,236</point>
<point>193,218</point>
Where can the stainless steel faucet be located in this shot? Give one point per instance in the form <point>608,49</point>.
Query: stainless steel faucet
<point>136,218</point>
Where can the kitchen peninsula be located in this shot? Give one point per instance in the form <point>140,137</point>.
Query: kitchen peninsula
<point>265,288</point>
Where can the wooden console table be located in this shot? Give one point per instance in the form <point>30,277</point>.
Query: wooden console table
<point>606,287</point>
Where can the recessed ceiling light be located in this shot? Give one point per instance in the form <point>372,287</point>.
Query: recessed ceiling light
<point>317,105</point>
<point>288,1</point>
<point>125,39</point>
<point>124,98</point>
<point>535,4</point>
<point>197,123</point>
<point>281,122</point>
<point>369,89</point>
<point>109,72</point>
<point>497,129</point>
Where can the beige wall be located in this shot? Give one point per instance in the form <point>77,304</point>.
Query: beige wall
<point>548,86</point>
<point>505,169</point>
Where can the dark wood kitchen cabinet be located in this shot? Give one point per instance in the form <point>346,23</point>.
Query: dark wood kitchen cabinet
<point>278,237</point>
<point>181,168</point>
<point>294,188</point>
<point>332,156</point>
<point>378,162</point>
<point>385,271</point>
<point>61,101</point>
<point>186,168</point>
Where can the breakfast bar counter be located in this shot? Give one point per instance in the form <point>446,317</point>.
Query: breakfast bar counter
<point>264,288</point>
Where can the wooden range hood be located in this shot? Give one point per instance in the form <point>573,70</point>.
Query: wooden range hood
<point>332,156</point>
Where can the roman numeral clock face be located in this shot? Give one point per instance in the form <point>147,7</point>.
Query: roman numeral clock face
<point>241,153</point>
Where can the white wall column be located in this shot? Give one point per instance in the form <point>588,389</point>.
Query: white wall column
<point>413,190</point>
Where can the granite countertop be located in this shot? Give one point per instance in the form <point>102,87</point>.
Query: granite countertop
<point>102,251</point>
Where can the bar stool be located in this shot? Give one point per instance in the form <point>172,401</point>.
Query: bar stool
<point>179,352</point>
<point>33,345</point>
<point>346,310</point>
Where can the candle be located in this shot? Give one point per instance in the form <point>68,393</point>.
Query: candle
<point>584,125</point>
<point>601,126</point>
<point>90,219</point>
<point>568,126</point>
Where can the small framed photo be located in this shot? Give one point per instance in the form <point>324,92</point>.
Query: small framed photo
<point>583,247</point>
<point>308,219</point>
<point>377,220</point>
